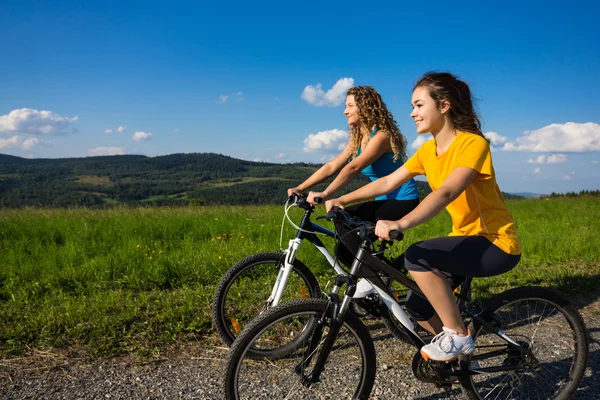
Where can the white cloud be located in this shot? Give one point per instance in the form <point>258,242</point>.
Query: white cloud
<point>141,136</point>
<point>557,159</point>
<point>280,156</point>
<point>551,159</point>
<point>18,142</point>
<point>495,138</point>
<point>326,141</point>
<point>106,151</point>
<point>333,97</point>
<point>539,160</point>
<point>239,96</point>
<point>27,120</point>
<point>537,170</point>
<point>418,142</point>
<point>568,137</point>
<point>120,129</point>
<point>595,162</point>
<point>28,144</point>
<point>222,99</point>
<point>569,176</point>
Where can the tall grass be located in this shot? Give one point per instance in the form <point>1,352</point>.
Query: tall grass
<point>121,280</point>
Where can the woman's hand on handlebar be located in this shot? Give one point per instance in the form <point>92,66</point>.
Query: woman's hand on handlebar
<point>313,196</point>
<point>383,229</point>
<point>329,204</point>
<point>295,191</point>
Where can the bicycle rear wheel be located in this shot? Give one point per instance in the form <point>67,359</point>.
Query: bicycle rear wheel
<point>543,321</point>
<point>349,370</point>
<point>243,292</point>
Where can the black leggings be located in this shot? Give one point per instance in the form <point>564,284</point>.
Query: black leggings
<point>370,211</point>
<point>456,257</point>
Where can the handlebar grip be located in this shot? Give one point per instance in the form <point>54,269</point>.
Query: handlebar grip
<point>396,235</point>
<point>318,200</point>
<point>294,197</point>
<point>332,214</point>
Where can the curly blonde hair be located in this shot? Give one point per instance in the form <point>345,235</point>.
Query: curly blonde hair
<point>373,112</point>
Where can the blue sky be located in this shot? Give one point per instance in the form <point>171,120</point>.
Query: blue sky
<point>265,80</point>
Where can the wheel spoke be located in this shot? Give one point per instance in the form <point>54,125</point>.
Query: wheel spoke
<point>349,367</point>
<point>541,325</point>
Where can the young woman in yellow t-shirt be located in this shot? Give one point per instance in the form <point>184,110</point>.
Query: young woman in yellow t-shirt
<point>458,166</point>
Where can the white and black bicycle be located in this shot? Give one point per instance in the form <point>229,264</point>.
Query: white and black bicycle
<point>261,281</point>
<point>531,342</point>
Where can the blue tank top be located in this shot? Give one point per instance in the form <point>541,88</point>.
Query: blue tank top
<point>385,165</point>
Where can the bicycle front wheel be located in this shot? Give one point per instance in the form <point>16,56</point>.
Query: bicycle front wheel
<point>243,292</point>
<point>544,322</point>
<point>349,371</point>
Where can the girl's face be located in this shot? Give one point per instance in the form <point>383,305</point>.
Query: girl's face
<point>427,115</point>
<point>351,111</point>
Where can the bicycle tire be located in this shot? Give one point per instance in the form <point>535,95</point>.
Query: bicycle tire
<point>267,377</point>
<point>260,264</point>
<point>537,302</point>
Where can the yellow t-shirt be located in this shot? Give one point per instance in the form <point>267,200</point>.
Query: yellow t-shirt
<point>480,209</point>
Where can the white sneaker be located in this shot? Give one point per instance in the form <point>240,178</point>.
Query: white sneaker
<point>448,345</point>
<point>363,289</point>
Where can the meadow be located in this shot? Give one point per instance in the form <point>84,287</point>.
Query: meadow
<point>132,280</point>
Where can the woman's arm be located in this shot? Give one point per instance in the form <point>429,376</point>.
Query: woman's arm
<point>324,172</point>
<point>378,146</point>
<point>377,188</point>
<point>436,201</point>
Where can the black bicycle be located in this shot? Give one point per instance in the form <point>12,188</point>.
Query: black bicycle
<point>531,343</point>
<point>261,281</point>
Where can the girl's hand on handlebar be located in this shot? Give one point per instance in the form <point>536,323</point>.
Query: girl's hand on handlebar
<point>313,195</point>
<point>329,204</point>
<point>383,229</point>
<point>295,191</point>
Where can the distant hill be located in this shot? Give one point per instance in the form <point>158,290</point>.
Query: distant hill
<point>527,195</point>
<point>175,179</point>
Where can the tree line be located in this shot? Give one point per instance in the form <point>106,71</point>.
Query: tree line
<point>175,179</point>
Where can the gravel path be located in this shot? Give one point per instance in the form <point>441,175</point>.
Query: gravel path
<point>194,372</point>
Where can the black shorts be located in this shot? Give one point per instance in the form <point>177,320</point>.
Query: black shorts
<point>456,257</point>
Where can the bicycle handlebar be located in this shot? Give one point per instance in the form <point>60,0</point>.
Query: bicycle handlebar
<point>366,228</point>
<point>300,200</point>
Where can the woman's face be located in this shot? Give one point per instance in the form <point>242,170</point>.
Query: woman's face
<point>351,111</point>
<point>426,114</point>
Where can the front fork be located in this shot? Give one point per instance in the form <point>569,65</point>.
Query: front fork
<point>333,317</point>
<point>289,256</point>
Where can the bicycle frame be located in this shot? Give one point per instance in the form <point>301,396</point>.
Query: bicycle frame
<point>306,232</point>
<point>368,267</point>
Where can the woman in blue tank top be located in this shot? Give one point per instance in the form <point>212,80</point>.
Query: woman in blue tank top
<point>376,148</point>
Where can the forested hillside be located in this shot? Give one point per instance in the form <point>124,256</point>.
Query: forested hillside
<point>176,179</point>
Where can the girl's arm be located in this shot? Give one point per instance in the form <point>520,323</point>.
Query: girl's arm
<point>456,183</point>
<point>324,172</point>
<point>378,146</point>
<point>377,188</point>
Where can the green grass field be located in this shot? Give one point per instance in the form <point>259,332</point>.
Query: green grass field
<point>132,280</point>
